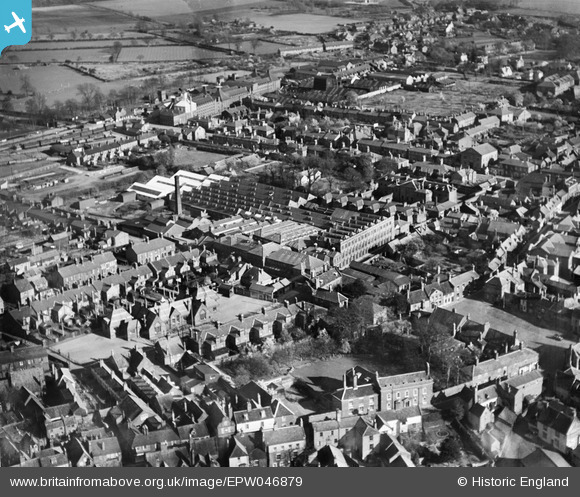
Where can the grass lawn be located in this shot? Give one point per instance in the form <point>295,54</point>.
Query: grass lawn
<point>185,156</point>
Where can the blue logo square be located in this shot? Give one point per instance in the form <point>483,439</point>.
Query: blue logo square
<point>15,22</point>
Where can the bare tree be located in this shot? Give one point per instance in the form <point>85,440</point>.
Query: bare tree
<point>255,42</point>
<point>36,105</point>
<point>26,85</point>
<point>91,97</point>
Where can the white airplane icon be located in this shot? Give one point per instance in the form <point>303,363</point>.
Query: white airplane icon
<point>17,23</point>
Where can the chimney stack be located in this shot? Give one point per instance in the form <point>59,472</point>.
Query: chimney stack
<point>178,206</point>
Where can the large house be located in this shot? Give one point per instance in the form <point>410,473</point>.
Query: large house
<point>364,392</point>
<point>559,426</point>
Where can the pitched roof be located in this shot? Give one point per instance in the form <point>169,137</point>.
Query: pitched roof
<point>155,244</point>
<point>289,434</point>
<point>403,379</point>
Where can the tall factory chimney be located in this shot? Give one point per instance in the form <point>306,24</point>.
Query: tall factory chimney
<point>178,208</point>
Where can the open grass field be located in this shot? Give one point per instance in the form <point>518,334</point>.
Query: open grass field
<point>89,44</point>
<point>148,8</point>
<point>300,23</point>
<point>78,17</point>
<point>560,6</point>
<point>207,5</point>
<point>55,56</point>
<point>55,82</point>
<point>263,48</point>
<point>185,156</point>
<point>167,54</point>
<point>49,80</point>
<point>445,103</point>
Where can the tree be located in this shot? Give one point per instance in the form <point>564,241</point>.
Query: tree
<point>529,99</point>
<point>91,96</point>
<point>36,105</point>
<point>297,332</point>
<point>344,323</point>
<point>284,336</point>
<point>71,107</point>
<point>26,85</point>
<point>116,50</point>
<point>411,248</point>
<point>442,56</point>
<point>352,98</point>
<point>356,289</point>
<point>450,450</point>
<point>255,43</point>
<point>516,98</point>
<point>455,411</point>
<point>568,47</point>
<point>7,105</point>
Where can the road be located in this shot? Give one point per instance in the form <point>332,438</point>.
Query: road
<point>535,335</point>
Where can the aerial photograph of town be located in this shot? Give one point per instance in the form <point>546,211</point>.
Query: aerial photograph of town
<point>290,233</point>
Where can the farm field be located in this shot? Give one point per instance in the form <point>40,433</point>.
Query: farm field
<point>80,17</point>
<point>560,6</point>
<point>262,48</point>
<point>51,79</point>
<point>167,53</point>
<point>47,56</point>
<point>57,82</point>
<point>301,23</point>
<point>88,44</point>
<point>148,8</point>
<point>206,5</point>
<point>442,103</point>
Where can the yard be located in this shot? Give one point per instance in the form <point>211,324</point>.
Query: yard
<point>464,96</point>
<point>89,348</point>
<point>326,375</point>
